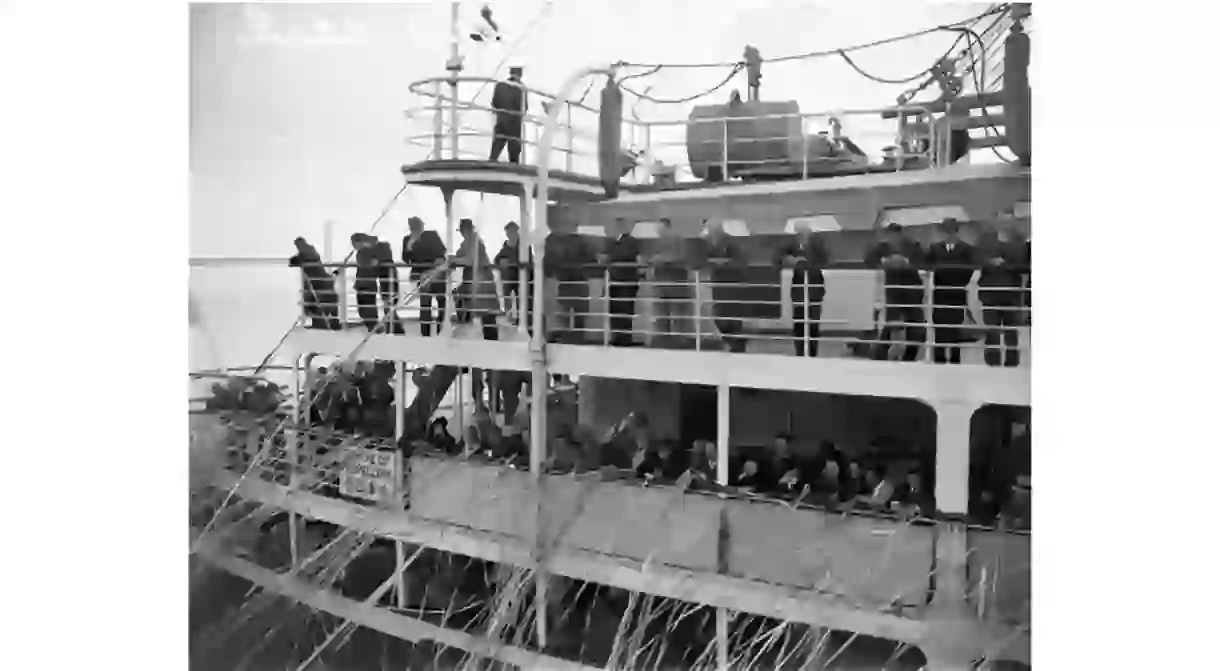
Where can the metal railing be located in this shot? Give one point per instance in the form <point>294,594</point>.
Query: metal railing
<point>758,308</point>
<point>667,153</point>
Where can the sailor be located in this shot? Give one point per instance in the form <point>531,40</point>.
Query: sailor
<point>728,263</point>
<point>508,103</point>
<point>508,260</point>
<point>367,272</point>
<point>897,256</point>
<point>622,256</point>
<point>952,261</point>
<point>806,255</point>
<point>318,296</point>
<point>424,252</point>
<point>1004,260</point>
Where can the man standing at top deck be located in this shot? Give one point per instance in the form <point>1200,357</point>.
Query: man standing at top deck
<point>622,254</point>
<point>424,251</point>
<point>508,102</point>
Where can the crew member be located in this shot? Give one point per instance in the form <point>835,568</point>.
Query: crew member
<point>510,265</point>
<point>318,295</point>
<point>898,256</point>
<point>508,102</point>
<point>728,269</point>
<point>1004,260</point>
<point>952,261</point>
<point>806,255</point>
<point>368,270</point>
<point>622,255</point>
<point>424,252</point>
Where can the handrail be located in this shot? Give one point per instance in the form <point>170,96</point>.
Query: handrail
<point>416,87</point>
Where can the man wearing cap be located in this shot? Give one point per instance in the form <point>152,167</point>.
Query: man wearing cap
<point>727,265</point>
<point>898,257</point>
<point>478,291</point>
<point>508,102</point>
<point>952,262</point>
<point>423,251</point>
<point>320,301</point>
<point>510,265</point>
<point>1004,259</point>
<point>565,261</point>
<point>806,255</point>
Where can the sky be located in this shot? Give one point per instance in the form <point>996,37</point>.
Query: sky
<point>297,110</point>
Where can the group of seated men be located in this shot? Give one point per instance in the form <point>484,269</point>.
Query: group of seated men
<point>1001,258</point>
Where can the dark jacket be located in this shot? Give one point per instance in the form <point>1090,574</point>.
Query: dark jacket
<point>316,281</point>
<point>624,252</point>
<point>951,270</point>
<point>511,253</point>
<point>1003,263</point>
<point>567,257</point>
<point>508,100</point>
<point>899,275</point>
<point>427,253</point>
<point>368,266</point>
<point>386,270</point>
<point>727,250</point>
<point>811,259</point>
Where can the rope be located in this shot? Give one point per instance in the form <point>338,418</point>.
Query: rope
<point>642,96</point>
<point>830,52</point>
<point>979,75</point>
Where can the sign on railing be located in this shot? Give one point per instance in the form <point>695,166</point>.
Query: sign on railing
<point>371,475</point>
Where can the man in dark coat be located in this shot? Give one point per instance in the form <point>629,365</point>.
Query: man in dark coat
<point>368,271</point>
<point>952,262</point>
<point>423,251</point>
<point>622,256</point>
<point>1005,259</point>
<point>806,255</point>
<point>508,102</point>
<point>566,259</point>
<point>728,264</point>
<point>318,295</point>
<point>508,260</point>
<point>898,256</point>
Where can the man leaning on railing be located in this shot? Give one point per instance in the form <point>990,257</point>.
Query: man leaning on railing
<point>423,251</point>
<point>899,257</point>
<point>319,300</point>
<point>806,255</point>
<point>622,256</point>
<point>508,260</point>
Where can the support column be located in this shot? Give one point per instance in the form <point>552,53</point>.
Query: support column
<point>523,257</point>
<point>953,640</point>
<point>723,395</point>
<point>447,325</point>
<point>400,407</point>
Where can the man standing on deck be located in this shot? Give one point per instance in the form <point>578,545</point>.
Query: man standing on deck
<point>509,263</point>
<point>424,251</point>
<point>727,263</point>
<point>806,255</point>
<point>952,262</point>
<point>508,102</point>
<point>565,260</point>
<point>622,255</point>
<point>897,256</point>
<point>1005,259</point>
<point>387,284</point>
<point>368,271</point>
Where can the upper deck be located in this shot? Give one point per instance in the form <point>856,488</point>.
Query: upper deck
<point>714,139</point>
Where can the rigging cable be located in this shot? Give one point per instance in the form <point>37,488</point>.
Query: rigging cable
<point>979,76</point>
<point>512,49</point>
<point>830,52</point>
<point>643,96</point>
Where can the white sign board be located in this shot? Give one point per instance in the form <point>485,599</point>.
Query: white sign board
<point>372,475</point>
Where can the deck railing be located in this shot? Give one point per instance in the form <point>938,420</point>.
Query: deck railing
<point>751,309</point>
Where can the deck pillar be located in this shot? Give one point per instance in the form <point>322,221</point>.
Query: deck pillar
<point>953,643</point>
<point>723,396</point>
<point>523,258</point>
<point>400,407</point>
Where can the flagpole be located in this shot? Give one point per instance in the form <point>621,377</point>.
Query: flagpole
<point>454,66</point>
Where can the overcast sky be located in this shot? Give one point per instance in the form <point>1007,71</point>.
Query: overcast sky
<point>297,110</point>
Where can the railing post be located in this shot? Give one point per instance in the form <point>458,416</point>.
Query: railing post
<point>607,318</point>
<point>342,279</point>
<point>400,406</point>
<point>301,417</point>
<point>698,311</point>
<point>648,151</point>
<point>804,149</point>
<point>724,150</point>
<point>805,311</point>
<point>723,427</point>
<point>929,309</point>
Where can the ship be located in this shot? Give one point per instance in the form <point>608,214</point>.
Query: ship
<point>488,535</point>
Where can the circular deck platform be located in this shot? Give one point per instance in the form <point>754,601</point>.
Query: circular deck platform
<point>509,179</point>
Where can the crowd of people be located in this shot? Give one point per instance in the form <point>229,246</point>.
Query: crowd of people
<point>1000,258</point>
